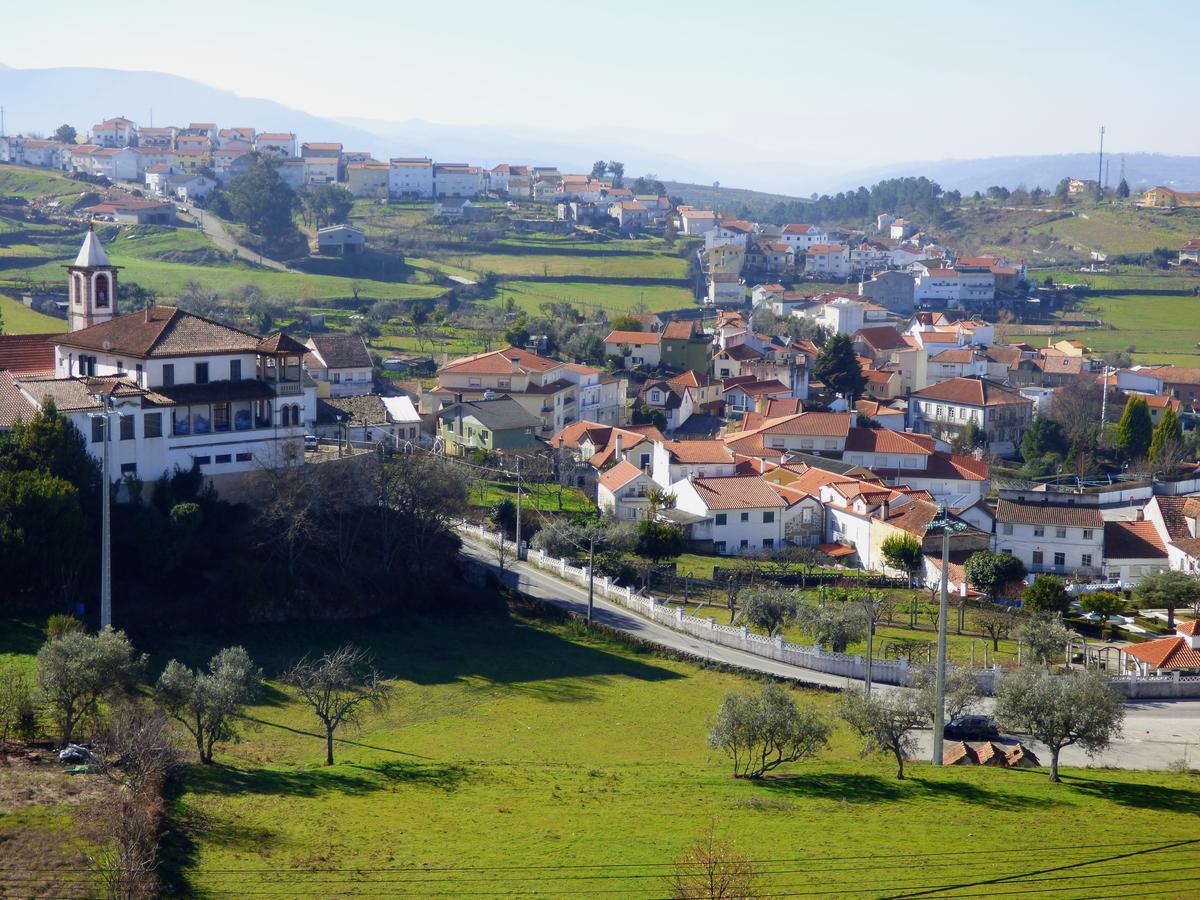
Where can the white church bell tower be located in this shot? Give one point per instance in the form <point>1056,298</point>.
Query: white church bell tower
<point>93,285</point>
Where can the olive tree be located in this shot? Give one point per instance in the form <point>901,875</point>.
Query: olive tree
<point>1169,590</point>
<point>76,669</point>
<point>960,693</point>
<point>834,625</point>
<point>761,732</point>
<point>1045,637</point>
<point>884,723</point>
<point>768,609</point>
<point>1061,710</point>
<point>339,687</point>
<point>208,704</point>
<point>996,621</point>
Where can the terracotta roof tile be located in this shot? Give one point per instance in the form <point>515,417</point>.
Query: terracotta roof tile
<point>620,475</point>
<point>634,337</point>
<point>1057,514</point>
<point>737,492</point>
<point>500,362</point>
<point>699,451</point>
<point>166,331</point>
<point>27,354</point>
<point>1168,654</point>
<point>971,392</point>
<point>1133,540</point>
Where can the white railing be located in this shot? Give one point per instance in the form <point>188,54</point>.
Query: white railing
<point>848,665</point>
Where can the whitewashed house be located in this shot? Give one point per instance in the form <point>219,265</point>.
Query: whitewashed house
<point>340,364</point>
<point>623,492</point>
<point>410,178</point>
<point>737,513</point>
<point>1059,533</point>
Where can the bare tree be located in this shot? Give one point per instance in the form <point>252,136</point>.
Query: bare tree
<point>711,869</point>
<point>339,687</point>
<point>504,551</point>
<point>996,621</point>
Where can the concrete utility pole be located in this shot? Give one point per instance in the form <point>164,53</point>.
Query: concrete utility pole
<point>1100,168</point>
<point>948,526</point>
<point>105,419</point>
<point>591,572</point>
<point>870,642</point>
<point>518,508</point>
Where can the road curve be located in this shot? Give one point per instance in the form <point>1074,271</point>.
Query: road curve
<point>1156,733</point>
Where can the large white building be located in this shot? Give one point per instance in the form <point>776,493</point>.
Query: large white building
<point>410,178</point>
<point>1063,534</point>
<point>182,389</point>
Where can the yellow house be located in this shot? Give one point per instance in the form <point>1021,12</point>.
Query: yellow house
<point>1167,198</point>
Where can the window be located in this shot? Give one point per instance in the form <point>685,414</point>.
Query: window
<point>806,516</point>
<point>168,374</point>
<point>745,544</point>
<point>1087,534</point>
<point>475,382</point>
<point>128,468</point>
<point>235,370</point>
<point>768,517</point>
<point>1060,559</point>
<point>1038,531</point>
<point>97,430</point>
<point>503,383</point>
<point>1037,557</point>
<point>220,416</point>
<point>1007,528</point>
<point>120,366</point>
<point>720,519</point>
<point>127,428</point>
<point>152,425</point>
<point>768,543</point>
<point>719,546</point>
<point>337,377</point>
<point>202,373</point>
<point>202,460</point>
<point>1060,533</point>
<point>745,517</point>
<point>223,458</point>
<point>243,457</point>
<point>1086,560</point>
<point>138,373</point>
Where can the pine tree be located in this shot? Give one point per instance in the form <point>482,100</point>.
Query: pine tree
<point>1168,432</point>
<point>1135,429</point>
<point>838,368</point>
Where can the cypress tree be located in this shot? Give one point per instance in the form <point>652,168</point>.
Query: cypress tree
<point>1135,429</point>
<point>1168,432</point>
<point>838,368</point>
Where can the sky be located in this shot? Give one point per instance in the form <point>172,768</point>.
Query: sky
<point>821,87</point>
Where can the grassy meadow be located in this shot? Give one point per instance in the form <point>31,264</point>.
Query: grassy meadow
<point>614,299</point>
<point>16,318</point>
<point>531,757</point>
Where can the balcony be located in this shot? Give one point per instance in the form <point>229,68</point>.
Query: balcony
<point>287,388</point>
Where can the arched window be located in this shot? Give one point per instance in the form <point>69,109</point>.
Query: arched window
<point>103,285</point>
<point>295,414</point>
<point>285,416</point>
<point>78,281</point>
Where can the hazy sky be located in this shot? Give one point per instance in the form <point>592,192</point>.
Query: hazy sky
<point>819,85</point>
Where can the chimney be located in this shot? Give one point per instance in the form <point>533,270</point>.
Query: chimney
<point>516,365</point>
<point>619,442</point>
<point>149,309</point>
<point>886,508</point>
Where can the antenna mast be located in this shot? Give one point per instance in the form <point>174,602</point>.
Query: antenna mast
<point>1100,173</point>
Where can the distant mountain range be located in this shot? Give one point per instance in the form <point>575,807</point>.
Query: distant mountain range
<point>39,100</point>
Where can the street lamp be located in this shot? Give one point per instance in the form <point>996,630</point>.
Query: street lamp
<point>948,526</point>
<point>105,417</point>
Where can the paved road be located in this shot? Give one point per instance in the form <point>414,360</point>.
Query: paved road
<point>215,229</point>
<point>1156,733</point>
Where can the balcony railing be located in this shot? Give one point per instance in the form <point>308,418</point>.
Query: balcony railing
<point>287,388</point>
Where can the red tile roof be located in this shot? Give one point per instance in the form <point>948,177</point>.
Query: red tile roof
<point>1133,540</point>
<point>971,392</point>
<point>161,331</point>
<point>14,405</point>
<point>737,492</point>
<point>620,475</point>
<point>634,337</point>
<point>500,362</point>
<point>1169,654</point>
<point>882,337</point>
<point>677,330</point>
<point>1057,514</point>
<point>885,440</point>
<point>27,354</point>
<point>699,451</point>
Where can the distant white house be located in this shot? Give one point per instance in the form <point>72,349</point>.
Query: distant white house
<point>340,364</point>
<point>341,240</point>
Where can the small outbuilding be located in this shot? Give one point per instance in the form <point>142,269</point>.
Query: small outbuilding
<point>341,240</point>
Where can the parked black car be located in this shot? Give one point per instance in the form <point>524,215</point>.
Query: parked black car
<point>971,728</point>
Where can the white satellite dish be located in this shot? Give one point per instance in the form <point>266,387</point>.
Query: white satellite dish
<point>107,345</point>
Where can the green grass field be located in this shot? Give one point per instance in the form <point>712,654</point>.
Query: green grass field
<point>541,497</point>
<point>609,265</point>
<point>30,183</point>
<point>523,758</point>
<point>613,299</point>
<point>1162,329</point>
<point>1122,229</point>
<point>16,318</point>
<point>519,757</point>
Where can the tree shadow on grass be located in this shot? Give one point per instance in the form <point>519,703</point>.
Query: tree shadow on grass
<point>1142,796</point>
<point>20,636</point>
<point>858,787</point>
<point>426,650</point>
<point>398,772</point>
<point>307,783</point>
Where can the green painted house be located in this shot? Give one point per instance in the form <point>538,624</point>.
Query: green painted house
<point>500,424</point>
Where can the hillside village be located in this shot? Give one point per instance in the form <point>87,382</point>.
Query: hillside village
<point>850,413</point>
